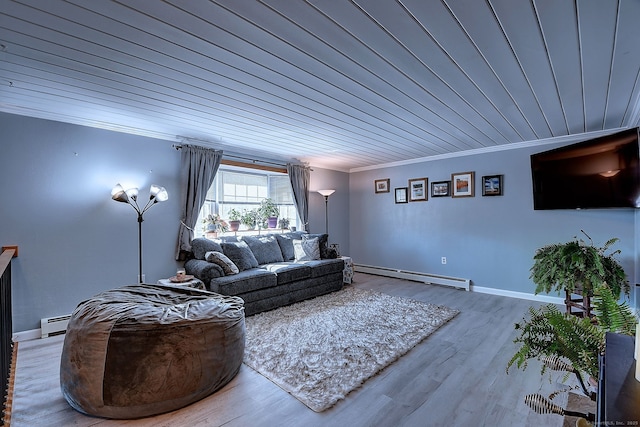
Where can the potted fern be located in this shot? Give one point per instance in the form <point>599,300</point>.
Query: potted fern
<point>577,268</point>
<point>569,343</point>
<point>549,332</point>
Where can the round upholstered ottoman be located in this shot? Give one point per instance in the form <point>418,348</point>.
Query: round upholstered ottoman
<point>145,349</point>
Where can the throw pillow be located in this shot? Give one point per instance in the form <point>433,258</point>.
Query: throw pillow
<point>286,243</point>
<point>306,249</point>
<point>322,243</point>
<point>200,246</point>
<point>265,248</point>
<point>223,261</point>
<point>240,254</point>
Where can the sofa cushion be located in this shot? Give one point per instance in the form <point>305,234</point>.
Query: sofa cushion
<point>306,249</point>
<point>240,254</point>
<point>288,272</point>
<point>322,267</point>
<point>322,242</point>
<point>265,248</point>
<point>201,246</point>
<point>286,243</point>
<point>245,281</point>
<point>223,261</point>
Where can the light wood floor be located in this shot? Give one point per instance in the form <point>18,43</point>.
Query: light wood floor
<point>456,377</point>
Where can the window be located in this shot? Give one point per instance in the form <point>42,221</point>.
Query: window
<point>243,190</point>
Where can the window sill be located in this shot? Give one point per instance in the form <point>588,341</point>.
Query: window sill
<point>256,232</point>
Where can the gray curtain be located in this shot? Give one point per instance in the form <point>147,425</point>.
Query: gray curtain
<point>198,167</point>
<point>299,177</point>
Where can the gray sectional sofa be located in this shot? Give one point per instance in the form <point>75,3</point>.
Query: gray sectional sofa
<point>268,273</point>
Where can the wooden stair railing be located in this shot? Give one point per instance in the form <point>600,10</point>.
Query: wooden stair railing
<point>6,329</point>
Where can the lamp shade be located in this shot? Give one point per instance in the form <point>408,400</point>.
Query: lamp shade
<point>326,193</point>
<point>158,193</point>
<point>132,193</point>
<point>118,194</point>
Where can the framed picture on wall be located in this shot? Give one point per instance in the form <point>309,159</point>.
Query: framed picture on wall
<point>401,195</point>
<point>492,185</point>
<point>441,189</point>
<point>462,184</point>
<point>418,189</point>
<point>382,185</point>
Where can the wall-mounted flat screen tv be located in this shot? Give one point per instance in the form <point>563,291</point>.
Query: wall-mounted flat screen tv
<point>602,172</point>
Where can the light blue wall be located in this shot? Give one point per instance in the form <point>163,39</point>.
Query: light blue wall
<point>337,208</point>
<point>55,182</point>
<point>490,240</point>
<point>74,241</point>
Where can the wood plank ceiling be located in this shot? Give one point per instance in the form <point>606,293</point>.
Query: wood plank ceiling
<point>339,84</point>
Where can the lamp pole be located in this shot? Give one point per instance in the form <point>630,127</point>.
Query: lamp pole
<point>140,247</point>
<point>326,194</point>
<point>326,214</point>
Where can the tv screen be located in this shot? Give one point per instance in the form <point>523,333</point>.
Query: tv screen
<point>599,173</point>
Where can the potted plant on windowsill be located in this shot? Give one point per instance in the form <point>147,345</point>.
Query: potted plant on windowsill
<point>249,218</point>
<point>213,225</point>
<point>577,267</point>
<point>268,212</point>
<point>283,223</point>
<point>234,219</point>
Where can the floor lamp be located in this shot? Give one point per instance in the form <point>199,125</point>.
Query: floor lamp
<point>326,194</point>
<point>130,196</point>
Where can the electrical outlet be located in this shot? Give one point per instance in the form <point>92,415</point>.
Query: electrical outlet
<point>444,259</point>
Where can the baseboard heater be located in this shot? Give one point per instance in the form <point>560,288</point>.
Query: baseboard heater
<point>415,276</point>
<point>51,326</point>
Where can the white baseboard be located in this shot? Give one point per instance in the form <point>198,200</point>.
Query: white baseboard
<point>415,276</point>
<point>453,281</point>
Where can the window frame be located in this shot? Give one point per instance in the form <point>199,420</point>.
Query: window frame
<point>215,203</point>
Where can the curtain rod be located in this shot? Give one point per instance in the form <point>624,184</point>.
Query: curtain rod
<point>178,147</point>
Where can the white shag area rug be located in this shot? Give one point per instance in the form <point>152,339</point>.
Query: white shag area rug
<point>320,349</point>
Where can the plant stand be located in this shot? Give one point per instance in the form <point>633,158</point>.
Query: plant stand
<point>578,305</point>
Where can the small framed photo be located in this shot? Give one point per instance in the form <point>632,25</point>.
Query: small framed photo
<point>492,185</point>
<point>382,185</point>
<point>418,189</point>
<point>463,184</point>
<point>401,195</point>
<point>441,189</point>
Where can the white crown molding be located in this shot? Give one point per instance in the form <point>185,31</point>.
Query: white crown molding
<point>566,139</point>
